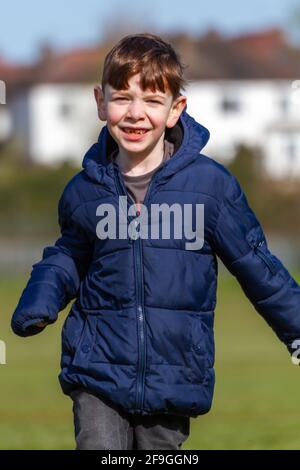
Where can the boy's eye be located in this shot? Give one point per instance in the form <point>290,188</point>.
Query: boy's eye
<point>124,98</point>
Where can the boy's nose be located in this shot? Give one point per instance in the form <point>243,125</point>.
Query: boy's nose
<point>136,110</point>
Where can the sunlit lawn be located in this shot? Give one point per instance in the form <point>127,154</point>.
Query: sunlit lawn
<point>256,403</point>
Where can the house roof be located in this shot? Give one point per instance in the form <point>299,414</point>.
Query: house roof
<point>81,65</point>
<point>256,55</point>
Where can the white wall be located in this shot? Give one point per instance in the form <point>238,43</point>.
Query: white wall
<point>260,120</point>
<point>63,122</point>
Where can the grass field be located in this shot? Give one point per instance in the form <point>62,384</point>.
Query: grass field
<point>256,403</point>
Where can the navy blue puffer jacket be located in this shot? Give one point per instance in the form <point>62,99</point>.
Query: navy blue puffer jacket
<point>140,331</point>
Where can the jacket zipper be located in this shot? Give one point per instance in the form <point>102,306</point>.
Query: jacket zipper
<point>141,317</point>
<point>137,254</point>
<point>259,251</point>
<point>122,190</point>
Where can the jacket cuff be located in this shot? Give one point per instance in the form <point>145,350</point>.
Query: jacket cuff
<point>28,328</point>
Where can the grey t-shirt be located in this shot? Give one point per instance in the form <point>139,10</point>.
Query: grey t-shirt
<point>137,185</point>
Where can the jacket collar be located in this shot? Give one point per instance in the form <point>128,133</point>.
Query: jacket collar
<point>193,138</point>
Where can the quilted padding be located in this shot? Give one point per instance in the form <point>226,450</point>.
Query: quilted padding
<point>140,331</point>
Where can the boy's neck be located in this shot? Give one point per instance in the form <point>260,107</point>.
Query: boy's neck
<point>136,165</point>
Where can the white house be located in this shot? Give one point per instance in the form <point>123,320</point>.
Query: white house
<point>258,113</point>
<point>55,121</point>
<point>59,121</point>
<point>51,107</point>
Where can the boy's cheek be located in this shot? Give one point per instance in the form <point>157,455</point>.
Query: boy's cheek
<point>113,124</point>
<point>112,130</point>
<point>114,113</point>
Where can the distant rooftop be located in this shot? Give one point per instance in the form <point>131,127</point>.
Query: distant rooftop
<point>258,55</point>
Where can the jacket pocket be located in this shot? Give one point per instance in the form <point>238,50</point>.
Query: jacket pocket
<point>261,250</point>
<point>85,343</point>
<point>72,331</point>
<point>202,349</point>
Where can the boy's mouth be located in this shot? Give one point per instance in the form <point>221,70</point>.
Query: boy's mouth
<point>129,130</point>
<point>134,135</point>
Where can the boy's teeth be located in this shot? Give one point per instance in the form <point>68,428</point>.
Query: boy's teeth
<point>135,131</point>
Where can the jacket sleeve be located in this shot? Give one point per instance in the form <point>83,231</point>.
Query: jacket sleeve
<point>55,279</point>
<point>240,243</point>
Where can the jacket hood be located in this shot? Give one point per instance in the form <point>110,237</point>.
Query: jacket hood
<point>189,138</point>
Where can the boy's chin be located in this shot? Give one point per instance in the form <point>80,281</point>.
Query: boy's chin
<point>136,151</point>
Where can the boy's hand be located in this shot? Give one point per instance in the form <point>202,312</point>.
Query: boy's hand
<point>41,324</point>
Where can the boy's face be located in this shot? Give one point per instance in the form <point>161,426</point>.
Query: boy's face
<point>134,108</point>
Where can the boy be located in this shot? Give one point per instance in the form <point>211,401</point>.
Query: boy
<point>138,345</point>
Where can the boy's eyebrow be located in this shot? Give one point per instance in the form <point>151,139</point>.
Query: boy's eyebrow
<point>155,95</point>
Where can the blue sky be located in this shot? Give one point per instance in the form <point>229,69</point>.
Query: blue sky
<point>70,23</point>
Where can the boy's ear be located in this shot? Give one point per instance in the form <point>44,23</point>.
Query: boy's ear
<point>99,97</point>
<point>176,109</point>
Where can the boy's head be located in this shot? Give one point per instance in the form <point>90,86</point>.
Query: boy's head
<point>141,83</point>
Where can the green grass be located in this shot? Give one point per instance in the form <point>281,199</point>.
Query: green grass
<point>256,398</point>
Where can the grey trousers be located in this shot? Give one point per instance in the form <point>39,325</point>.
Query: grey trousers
<point>101,425</point>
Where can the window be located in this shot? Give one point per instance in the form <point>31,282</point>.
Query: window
<point>291,148</point>
<point>284,104</point>
<point>230,104</point>
<point>65,110</point>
